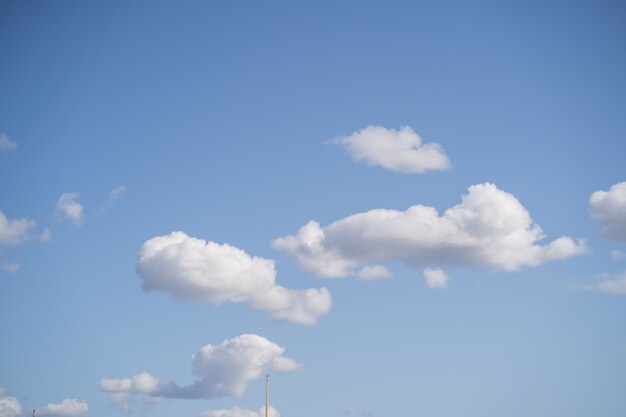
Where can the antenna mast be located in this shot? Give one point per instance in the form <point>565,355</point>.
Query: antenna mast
<point>267,397</point>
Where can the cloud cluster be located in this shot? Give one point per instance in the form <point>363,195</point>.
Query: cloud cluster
<point>194,269</point>
<point>7,144</point>
<point>221,370</point>
<point>68,207</point>
<point>9,406</point>
<point>66,408</point>
<point>489,228</point>
<point>241,412</point>
<point>397,150</point>
<point>609,208</point>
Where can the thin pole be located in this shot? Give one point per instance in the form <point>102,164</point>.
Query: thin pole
<point>267,396</point>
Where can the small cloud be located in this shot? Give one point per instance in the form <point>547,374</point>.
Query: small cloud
<point>70,208</point>
<point>7,144</point>
<point>66,408</point>
<point>614,284</point>
<point>14,232</point>
<point>617,255</point>
<point>372,272</point>
<point>396,150</point>
<point>350,410</point>
<point>609,208</point>
<point>241,412</point>
<point>435,278</point>
<point>10,267</point>
<point>45,235</point>
<point>114,195</point>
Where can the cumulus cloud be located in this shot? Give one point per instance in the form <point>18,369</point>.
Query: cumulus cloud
<point>14,232</point>
<point>221,370</point>
<point>435,278</point>
<point>66,408</point>
<point>7,144</point>
<point>489,228</point>
<point>70,208</point>
<point>609,208</point>
<point>194,269</point>
<point>9,406</point>
<point>241,412</point>
<point>397,150</point>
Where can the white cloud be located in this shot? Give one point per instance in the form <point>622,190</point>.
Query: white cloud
<point>9,406</point>
<point>614,284</point>
<point>240,412</point>
<point>70,208</point>
<point>194,269</point>
<point>7,144</point>
<point>14,232</point>
<point>609,208</point>
<point>114,195</point>
<point>489,228</point>
<point>222,370</point>
<point>10,267</point>
<point>45,235</point>
<point>66,408</point>
<point>350,410</point>
<point>617,255</point>
<point>435,278</point>
<point>372,272</point>
<point>397,150</point>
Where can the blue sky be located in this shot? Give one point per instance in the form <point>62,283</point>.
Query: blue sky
<point>422,286</point>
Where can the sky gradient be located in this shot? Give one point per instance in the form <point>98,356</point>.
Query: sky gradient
<point>395,208</point>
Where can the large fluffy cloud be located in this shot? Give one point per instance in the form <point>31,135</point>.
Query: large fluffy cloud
<point>69,207</point>
<point>14,232</point>
<point>194,269</point>
<point>66,408</point>
<point>397,150</point>
<point>609,208</point>
<point>221,370</point>
<point>9,406</point>
<point>489,228</point>
<point>241,412</point>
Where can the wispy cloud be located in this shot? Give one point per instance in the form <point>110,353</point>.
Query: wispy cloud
<point>10,267</point>
<point>396,150</point>
<point>489,228</point>
<point>610,283</point>
<point>193,269</point>
<point>114,195</point>
<point>7,144</point>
